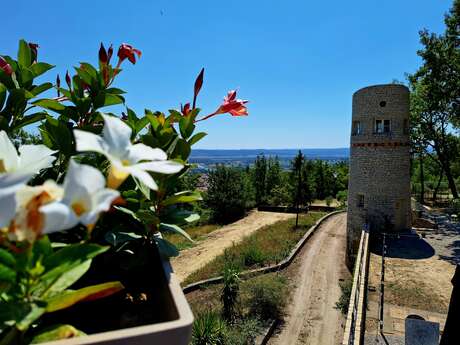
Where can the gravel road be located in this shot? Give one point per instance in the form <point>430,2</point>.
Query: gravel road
<point>311,317</point>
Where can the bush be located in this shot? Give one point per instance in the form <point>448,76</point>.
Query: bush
<point>229,194</point>
<point>209,329</point>
<point>329,200</point>
<point>344,300</point>
<point>342,197</point>
<point>230,290</point>
<point>253,254</point>
<point>455,206</point>
<point>244,332</point>
<point>267,297</point>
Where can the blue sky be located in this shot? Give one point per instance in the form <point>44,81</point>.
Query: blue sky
<point>297,62</point>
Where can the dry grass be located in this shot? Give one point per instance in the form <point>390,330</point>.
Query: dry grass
<point>197,233</point>
<point>266,246</point>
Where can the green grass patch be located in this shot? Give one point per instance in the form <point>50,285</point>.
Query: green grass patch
<point>197,233</point>
<point>269,245</point>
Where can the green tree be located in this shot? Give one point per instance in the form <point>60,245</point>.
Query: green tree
<point>297,165</point>
<point>229,193</point>
<point>259,179</point>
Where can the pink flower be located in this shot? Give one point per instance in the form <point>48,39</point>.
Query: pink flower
<point>185,110</point>
<point>5,66</point>
<point>127,51</point>
<point>231,105</point>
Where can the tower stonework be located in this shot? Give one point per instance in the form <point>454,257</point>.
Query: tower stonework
<point>379,183</point>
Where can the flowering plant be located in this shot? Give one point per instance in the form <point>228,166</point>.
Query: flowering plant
<point>89,163</point>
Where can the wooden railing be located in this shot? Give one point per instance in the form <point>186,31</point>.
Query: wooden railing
<point>356,316</point>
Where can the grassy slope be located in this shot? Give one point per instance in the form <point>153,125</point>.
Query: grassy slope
<point>266,246</point>
<point>197,233</point>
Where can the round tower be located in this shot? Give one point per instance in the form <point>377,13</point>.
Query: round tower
<point>379,183</point>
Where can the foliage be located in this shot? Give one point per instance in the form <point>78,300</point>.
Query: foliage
<point>329,199</point>
<point>229,294</point>
<point>267,297</point>
<point>434,96</point>
<point>344,300</point>
<point>209,329</point>
<point>85,164</point>
<point>244,332</point>
<point>342,197</point>
<point>229,193</point>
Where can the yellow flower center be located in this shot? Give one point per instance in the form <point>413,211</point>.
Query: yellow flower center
<point>2,166</point>
<point>125,162</point>
<point>116,176</point>
<point>78,208</point>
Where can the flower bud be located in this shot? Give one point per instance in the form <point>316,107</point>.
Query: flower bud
<point>5,66</point>
<point>102,55</point>
<point>68,80</point>
<point>58,85</point>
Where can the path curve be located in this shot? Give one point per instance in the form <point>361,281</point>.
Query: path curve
<point>311,317</point>
<point>217,241</point>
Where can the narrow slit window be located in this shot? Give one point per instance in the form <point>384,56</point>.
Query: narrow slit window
<point>406,126</point>
<point>360,200</point>
<point>357,128</point>
<point>386,126</point>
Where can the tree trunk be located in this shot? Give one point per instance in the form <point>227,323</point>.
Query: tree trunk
<point>450,179</point>
<point>436,189</point>
<point>422,180</point>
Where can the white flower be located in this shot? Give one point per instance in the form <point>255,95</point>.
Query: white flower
<point>85,197</point>
<point>16,170</point>
<point>28,221</point>
<point>125,158</point>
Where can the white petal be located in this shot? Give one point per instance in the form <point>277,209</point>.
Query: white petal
<point>58,217</point>
<point>33,158</point>
<point>102,200</point>
<point>82,176</point>
<point>117,135</point>
<point>8,153</point>
<point>87,141</point>
<point>142,176</point>
<point>162,167</point>
<point>140,152</point>
<point>7,209</point>
<point>10,182</point>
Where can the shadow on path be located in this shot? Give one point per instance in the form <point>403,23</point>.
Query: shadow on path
<point>405,247</point>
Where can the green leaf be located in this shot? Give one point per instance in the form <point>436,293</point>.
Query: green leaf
<point>182,198</point>
<point>50,104</point>
<point>7,258</point>
<point>197,137</point>
<point>147,217</point>
<point>166,248</point>
<point>143,188</point>
<point>56,332</point>
<point>174,228</point>
<point>68,298</point>
<point>117,238</point>
<point>7,274</point>
<point>115,91</point>
<point>112,100</point>
<point>141,124</point>
<point>58,136</point>
<point>127,211</point>
<point>72,254</point>
<point>20,314</point>
<point>41,88</point>
<point>89,69</point>
<point>186,126</point>
<point>24,54</point>
<point>39,68</point>
<point>2,95</point>
<point>176,216</point>
<point>27,120</point>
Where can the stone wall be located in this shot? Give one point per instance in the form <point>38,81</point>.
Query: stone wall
<point>379,163</point>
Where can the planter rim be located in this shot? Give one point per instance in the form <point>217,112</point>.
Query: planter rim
<point>184,320</point>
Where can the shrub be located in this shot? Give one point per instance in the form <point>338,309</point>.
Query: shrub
<point>209,329</point>
<point>229,294</point>
<point>342,197</point>
<point>455,206</point>
<point>252,254</point>
<point>266,297</point>
<point>344,299</point>
<point>244,332</point>
<point>229,194</point>
<point>329,200</point>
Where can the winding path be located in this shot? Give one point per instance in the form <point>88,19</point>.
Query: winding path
<point>311,317</point>
<point>217,241</point>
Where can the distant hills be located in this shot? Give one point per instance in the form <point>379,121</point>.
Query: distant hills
<point>208,158</point>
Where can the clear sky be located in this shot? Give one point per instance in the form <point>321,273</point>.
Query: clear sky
<point>297,62</point>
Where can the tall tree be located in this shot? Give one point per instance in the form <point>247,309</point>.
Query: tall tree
<point>297,165</point>
<point>260,179</point>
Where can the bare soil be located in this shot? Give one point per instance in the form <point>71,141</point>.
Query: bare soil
<point>217,241</point>
<point>311,316</point>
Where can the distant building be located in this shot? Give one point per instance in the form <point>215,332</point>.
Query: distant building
<point>379,184</point>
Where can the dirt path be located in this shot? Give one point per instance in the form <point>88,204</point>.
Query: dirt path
<point>217,241</point>
<point>311,316</point>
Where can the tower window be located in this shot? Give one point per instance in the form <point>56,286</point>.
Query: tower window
<point>406,126</point>
<point>357,128</point>
<point>382,126</point>
<point>383,104</point>
<point>360,200</point>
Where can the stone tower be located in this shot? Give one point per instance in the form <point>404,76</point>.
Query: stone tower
<point>379,183</point>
